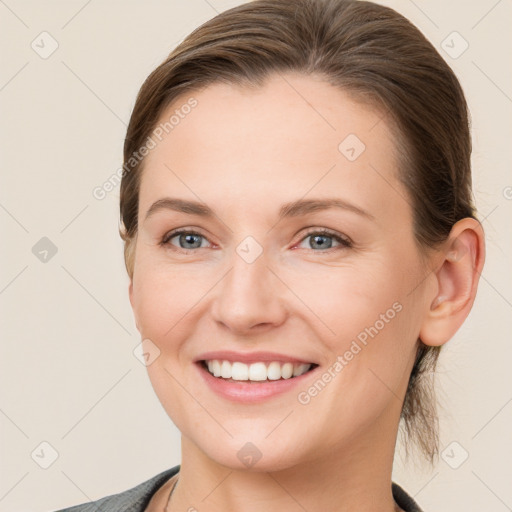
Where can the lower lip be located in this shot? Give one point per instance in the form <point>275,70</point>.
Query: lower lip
<point>250,392</point>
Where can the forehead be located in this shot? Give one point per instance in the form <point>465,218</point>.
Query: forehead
<point>293,136</point>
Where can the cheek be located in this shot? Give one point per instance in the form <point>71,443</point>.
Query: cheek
<point>343,301</point>
<point>370,319</point>
<point>164,296</point>
<point>370,352</point>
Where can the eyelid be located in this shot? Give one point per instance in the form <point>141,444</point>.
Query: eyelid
<point>343,240</point>
<point>179,231</point>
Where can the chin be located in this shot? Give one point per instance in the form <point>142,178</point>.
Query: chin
<point>255,455</point>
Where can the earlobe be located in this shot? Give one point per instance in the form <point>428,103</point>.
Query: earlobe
<point>456,277</point>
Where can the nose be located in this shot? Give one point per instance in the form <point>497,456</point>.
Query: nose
<point>250,297</point>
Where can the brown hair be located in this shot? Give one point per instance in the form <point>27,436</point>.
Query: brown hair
<point>369,51</point>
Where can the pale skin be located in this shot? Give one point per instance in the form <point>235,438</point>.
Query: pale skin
<point>244,153</point>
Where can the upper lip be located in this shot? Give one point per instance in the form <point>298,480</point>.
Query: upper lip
<point>250,357</point>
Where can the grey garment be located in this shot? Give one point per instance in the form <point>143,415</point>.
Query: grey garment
<point>137,498</point>
<point>404,501</point>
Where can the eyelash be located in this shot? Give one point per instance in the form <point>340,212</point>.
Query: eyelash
<point>345,243</point>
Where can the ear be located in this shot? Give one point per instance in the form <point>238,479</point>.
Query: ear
<point>462,260</point>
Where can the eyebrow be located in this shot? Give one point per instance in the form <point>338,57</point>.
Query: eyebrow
<point>293,209</point>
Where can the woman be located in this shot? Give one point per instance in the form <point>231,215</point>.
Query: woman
<point>301,241</point>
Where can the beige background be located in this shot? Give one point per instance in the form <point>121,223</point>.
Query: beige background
<point>68,373</point>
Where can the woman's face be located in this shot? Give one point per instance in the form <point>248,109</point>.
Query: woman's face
<point>257,274</point>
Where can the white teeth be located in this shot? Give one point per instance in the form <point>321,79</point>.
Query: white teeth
<point>215,368</point>
<point>239,371</point>
<point>274,371</point>
<point>225,370</point>
<point>287,370</point>
<point>256,371</point>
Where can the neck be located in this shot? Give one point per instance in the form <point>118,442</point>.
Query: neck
<point>355,476</point>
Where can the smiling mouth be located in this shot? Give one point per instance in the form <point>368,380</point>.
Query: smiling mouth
<point>236,371</point>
